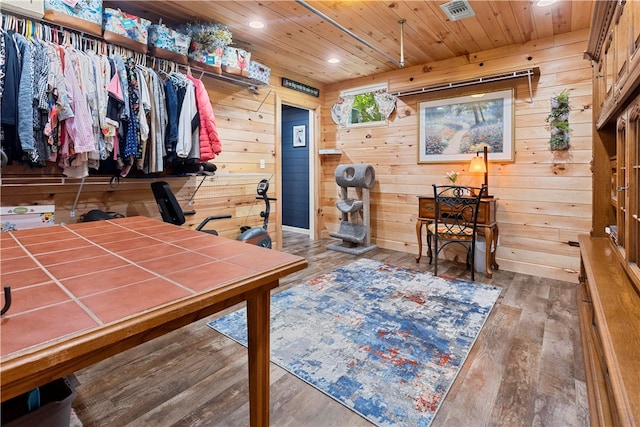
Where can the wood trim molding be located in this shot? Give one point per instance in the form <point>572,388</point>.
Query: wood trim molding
<point>602,21</point>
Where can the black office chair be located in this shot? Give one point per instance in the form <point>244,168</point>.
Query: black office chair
<point>456,218</point>
<point>170,208</point>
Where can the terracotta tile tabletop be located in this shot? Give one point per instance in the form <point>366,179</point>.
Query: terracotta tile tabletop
<point>69,281</point>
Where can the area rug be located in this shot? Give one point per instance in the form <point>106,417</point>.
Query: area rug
<point>385,341</point>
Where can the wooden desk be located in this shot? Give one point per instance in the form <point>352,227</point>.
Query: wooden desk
<point>84,292</point>
<point>486,221</point>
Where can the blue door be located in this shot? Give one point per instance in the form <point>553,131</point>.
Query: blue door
<point>295,167</point>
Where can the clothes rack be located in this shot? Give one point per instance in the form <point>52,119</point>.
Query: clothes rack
<point>83,44</point>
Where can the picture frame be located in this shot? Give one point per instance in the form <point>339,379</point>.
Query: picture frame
<point>455,129</point>
<point>300,136</point>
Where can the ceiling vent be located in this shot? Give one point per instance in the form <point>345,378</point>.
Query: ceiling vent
<point>457,9</point>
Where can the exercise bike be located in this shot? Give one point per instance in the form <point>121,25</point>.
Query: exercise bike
<point>259,236</point>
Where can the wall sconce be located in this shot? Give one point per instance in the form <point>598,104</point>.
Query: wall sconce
<point>480,165</point>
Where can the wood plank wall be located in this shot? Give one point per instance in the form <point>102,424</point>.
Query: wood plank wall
<point>544,197</point>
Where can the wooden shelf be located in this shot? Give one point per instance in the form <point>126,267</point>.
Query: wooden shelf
<point>330,151</point>
<point>235,79</point>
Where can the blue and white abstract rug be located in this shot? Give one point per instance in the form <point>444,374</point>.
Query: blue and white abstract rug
<point>385,341</point>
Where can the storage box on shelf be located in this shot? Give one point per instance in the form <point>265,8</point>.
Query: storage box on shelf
<point>32,8</point>
<point>169,44</point>
<point>208,40</point>
<point>126,30</point>
<point>209,59</point>
<point>83,15</point>
<point>236,61</point>
<point>259,72</point>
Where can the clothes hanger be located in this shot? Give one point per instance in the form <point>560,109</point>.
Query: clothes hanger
<point>31,31</point>
<point>162,69</point>
<point>46,33</point>
<point>10,23</point>
<point>39,31</point>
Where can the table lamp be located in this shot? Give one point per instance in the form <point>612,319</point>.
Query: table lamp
<point>480,165</point>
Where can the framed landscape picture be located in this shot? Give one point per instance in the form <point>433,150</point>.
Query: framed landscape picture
<point>455,129</point>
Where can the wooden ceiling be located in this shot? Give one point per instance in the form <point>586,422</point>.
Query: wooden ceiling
<point>297,40</point>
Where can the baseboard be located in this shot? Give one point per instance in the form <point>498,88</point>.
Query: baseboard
<point>295,229</point>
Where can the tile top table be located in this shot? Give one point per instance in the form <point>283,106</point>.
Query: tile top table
<point>84,292</point>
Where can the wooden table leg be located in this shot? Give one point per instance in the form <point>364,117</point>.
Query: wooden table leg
<point>258,328</point>
<point>419,236</point>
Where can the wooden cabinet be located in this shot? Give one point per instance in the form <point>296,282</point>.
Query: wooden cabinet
<point>634,29</point>
<point>615,38</point>
<point>631,191</point>
<point>620,184</point>
<point>622,43</point>
<point>614,49</point>
<point>609,297</point>
<point>626,188</point>
<point>609,312</point>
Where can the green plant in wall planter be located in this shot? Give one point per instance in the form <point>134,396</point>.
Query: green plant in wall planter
<point>558,120</point>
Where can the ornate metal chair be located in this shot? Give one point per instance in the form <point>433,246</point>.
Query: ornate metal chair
<point>456,217</point>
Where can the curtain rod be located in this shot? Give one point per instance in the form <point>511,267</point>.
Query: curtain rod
<point>528,72</point>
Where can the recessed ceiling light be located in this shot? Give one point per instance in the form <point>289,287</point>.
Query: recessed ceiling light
<point>256,24</point>
<point>333,60</point>
<point>543,3</point>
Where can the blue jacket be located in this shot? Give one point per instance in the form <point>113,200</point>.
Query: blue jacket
<point>9,114</point>
<point>9,102</point>
<point>172,116</point>
<point>25,94</point>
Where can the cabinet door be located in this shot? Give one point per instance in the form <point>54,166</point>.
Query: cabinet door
<point>600,95</point>
<point>622,41</point>
<point>633,192</point>
<point>628,187</point>
<point>609,68</point>
<point>614,181</point>
<point>621,184</point>
<point>634,24</point>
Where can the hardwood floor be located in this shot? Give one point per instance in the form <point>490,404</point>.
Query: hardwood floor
<point>525,369</point>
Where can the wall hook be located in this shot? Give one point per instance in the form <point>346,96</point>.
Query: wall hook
<point>7,300</point>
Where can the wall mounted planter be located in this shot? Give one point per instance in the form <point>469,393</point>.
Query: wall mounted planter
<point>558,120</point>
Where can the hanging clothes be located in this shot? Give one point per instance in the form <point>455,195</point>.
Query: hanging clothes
<point>143,112</point>
<point>188,110</point>
<point>10,88</point>
<point>157,123</point>
<point>25,97</point>
<point>79,127</point>
<point>172,117</point>
<point>79,108</point>
<point>210,145</point>
<point>3,68</point>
